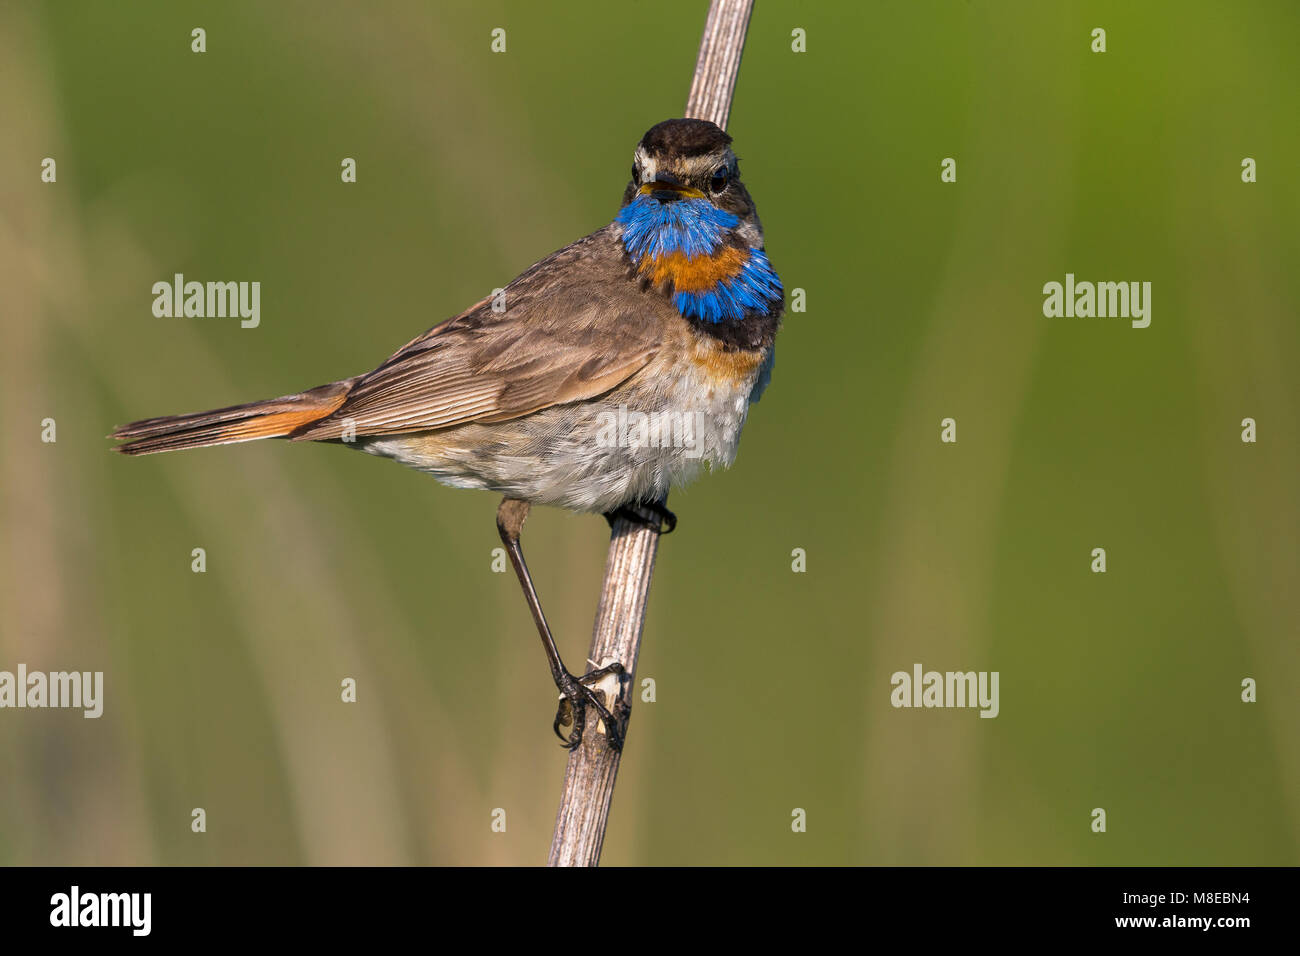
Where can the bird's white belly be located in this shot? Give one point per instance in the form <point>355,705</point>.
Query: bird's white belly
<point>654,432</point>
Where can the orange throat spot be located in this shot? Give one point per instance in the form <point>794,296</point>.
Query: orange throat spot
<point>700,274</point>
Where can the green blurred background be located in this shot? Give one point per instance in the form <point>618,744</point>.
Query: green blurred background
<point>1119,691</point>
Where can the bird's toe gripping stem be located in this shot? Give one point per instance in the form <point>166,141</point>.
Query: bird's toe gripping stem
<point>665,522</point>
<point>577,695</point>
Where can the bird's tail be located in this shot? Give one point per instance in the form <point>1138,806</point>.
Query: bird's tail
<point>273,418</point>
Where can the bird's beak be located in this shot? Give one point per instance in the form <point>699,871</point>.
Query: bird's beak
<point>666,187</point>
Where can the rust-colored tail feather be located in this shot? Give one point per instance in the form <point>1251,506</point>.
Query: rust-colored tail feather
<point>273,418</point>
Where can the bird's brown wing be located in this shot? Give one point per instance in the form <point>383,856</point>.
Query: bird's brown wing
<point>574,327</point>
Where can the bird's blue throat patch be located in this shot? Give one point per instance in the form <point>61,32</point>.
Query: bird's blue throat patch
<point>685,242</point>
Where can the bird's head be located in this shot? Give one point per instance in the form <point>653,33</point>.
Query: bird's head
<point>689,228</point>
<point>691,160</point>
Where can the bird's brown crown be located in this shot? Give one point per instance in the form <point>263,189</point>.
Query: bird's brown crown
<point>684,137</point>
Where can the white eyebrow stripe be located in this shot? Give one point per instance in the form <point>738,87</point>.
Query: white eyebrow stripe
<point>649,167</point>
<point>696,166</point>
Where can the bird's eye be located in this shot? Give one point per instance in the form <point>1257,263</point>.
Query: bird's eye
<point>636,174</point>
<point>719,181</point>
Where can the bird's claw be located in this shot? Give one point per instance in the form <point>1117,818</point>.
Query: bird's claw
<point>665,522</point>
<point>577,696</point>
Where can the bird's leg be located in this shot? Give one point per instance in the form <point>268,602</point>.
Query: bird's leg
<point>578,695</point>
<point>665,521</point>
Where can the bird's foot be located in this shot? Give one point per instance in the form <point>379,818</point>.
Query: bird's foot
<point>577,695</point>
<point>665,522</point>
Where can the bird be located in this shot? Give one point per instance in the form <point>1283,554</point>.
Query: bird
<point>602,376</point>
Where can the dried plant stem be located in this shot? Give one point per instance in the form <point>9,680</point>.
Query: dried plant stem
<point>590,776</point>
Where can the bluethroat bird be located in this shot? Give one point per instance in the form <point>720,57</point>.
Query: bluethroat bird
<point>666,315</point>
